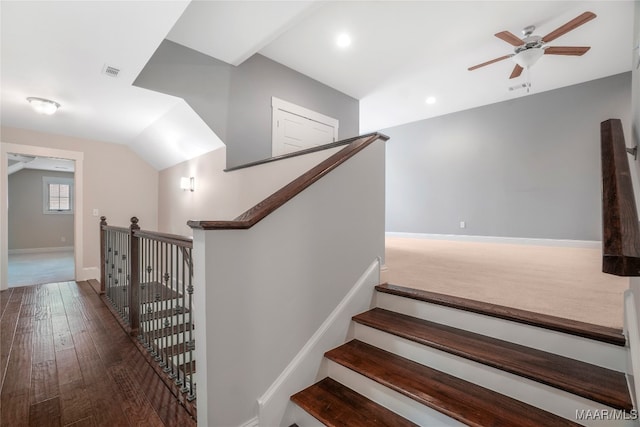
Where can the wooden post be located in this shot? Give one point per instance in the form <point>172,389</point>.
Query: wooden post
<point>134,279</point>
<point>103,260</point>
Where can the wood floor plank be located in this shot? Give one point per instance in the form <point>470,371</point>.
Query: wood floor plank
<point>583,379</point>
<point>44,381</point>
<point>18,376</point>
<point>43,345</point>
<point>85,422</point>
<point>8,325</point>
<point>68,366</point>
<point>135,405</point>
<point>74,404</point>
<point>61,334</point>
<point>15,409</point>
<point>45,414</point>
<point>5,296</point>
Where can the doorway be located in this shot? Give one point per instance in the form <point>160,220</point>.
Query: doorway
<point>40,220</point>
<point>80,273</point>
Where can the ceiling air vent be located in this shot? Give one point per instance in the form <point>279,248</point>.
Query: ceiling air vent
<point>110,71</point>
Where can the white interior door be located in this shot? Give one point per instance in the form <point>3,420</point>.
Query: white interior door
<point>296,128</point>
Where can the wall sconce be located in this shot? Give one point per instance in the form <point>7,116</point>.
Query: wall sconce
<point>188,183</point>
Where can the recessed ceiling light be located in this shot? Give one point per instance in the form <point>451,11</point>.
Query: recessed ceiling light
<point>431,100</point>
<point>43,106</point>
<point>343,40</point>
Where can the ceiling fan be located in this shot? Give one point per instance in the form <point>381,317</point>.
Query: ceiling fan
<point>531,47</point>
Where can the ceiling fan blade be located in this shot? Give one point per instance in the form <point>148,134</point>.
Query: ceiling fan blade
<point>571,25</point>
<point>509,38</point>
<point>517,70</point>
<point>567,50</point>
<point>489,62</point>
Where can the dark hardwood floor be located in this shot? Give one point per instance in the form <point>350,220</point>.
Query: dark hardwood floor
<point>65,361</point>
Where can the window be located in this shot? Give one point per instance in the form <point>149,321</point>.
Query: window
<point>57,195</point>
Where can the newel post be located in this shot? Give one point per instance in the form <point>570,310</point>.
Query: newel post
<point>134,279</point>
<point>103,260</point>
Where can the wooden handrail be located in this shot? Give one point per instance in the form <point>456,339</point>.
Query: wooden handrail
<point>252,216</point>
<point>173,239</point>
<point>620,230</point>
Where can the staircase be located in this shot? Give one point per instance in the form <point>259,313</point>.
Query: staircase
<point>420,358</point>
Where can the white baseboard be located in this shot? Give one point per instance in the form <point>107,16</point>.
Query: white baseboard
<point>88,274</point>
<point>588,244</point>
<point>253,422</point>
<point>303,369</point>
<point>40,250</point>
<point>632,333</point>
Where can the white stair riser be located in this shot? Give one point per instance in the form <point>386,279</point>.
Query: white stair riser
<point>594,352</point>
<point>390,399</point>
<point>531,392</point>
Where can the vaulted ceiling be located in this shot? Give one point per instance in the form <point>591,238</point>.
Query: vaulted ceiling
<point>401,53</point>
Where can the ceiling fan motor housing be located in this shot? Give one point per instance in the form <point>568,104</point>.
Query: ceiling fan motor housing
<point>529,42</point>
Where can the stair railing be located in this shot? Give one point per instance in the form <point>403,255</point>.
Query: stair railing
<point>147,278</point>
<point>620,228</point>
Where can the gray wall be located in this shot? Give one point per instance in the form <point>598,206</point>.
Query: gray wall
<point>29,227</point>
<point>528,167</point>
<point>236,101</point>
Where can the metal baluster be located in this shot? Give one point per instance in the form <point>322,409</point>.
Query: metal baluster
<point>143,286</point>
<point>156,302</point>
<point>168,320</point>
<point>181,324</point>
<point>116,273</point>
<point>191,344</point>
<point>126,308</point>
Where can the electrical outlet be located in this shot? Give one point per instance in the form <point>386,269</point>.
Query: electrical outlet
<point>63,239</point>
<point>463,224</point>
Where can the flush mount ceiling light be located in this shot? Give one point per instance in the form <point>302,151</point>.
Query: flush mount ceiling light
<point>343,40</point>
<point>43,106</point>
<point>431,100</point>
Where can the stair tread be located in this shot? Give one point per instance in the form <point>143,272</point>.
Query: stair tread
<point>336,405</point>
<point>156,291</point>
<point>161,314</point>
<point>459,399</point>
<point>586,330</point>
<point>592,382</point>
<point>164,332</point>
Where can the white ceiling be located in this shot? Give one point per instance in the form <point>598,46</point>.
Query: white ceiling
<point>401,53</point>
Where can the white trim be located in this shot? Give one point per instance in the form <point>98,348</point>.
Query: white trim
<point>40,250</point>
<point>253,422</point>
<point>588,244</point>
<point>288,107</point>
<point>632,333</point>
<point>88,273</point>
<point>279,104</point>
<point>302,370</point>
<point>38,151</point>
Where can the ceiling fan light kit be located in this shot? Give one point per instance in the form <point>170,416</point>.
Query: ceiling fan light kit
<point>529,49</point>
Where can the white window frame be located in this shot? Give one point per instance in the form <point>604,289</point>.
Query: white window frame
<point>46,180</point>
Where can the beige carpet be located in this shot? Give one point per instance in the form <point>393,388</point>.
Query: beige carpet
<point>559,281</point>
<point>42,267</point>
